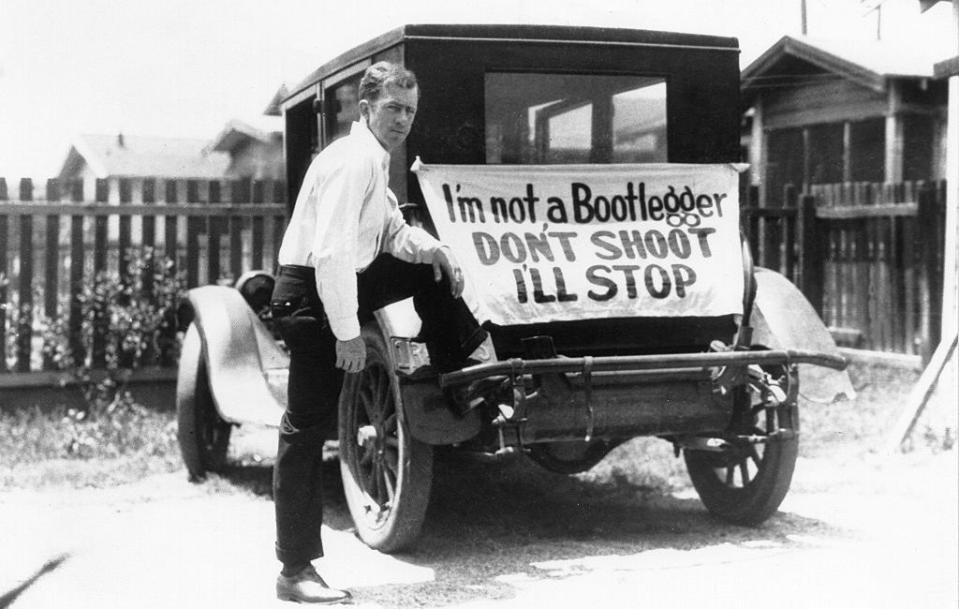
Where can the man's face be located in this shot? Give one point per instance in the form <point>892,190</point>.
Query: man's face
<point>390,117</point>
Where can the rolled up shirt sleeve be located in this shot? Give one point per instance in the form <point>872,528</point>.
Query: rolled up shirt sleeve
<point>340,200</point>
<point>408,243</point>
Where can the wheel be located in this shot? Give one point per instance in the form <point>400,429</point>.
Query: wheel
<point>387,474</point>
<point>570,457</point>
<point>745,481</point>
<point>203,436</point>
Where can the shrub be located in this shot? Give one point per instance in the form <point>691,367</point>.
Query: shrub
<point>126,321</point>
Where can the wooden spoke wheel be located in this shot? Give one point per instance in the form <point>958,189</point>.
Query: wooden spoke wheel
<point>745,482</point>
<point>387,474</point>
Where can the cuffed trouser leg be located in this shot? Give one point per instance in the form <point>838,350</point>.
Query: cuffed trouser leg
<point>298,494</point>
<point>310,417</point>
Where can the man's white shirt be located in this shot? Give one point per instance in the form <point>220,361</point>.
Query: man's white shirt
<point>345,216</point>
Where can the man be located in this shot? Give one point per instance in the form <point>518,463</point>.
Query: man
<point>346,252</point>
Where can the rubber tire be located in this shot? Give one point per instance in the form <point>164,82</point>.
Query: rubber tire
<point>387,526</point>
<point>752,504</point>
<point>547,456</point>
<point>204,437</point>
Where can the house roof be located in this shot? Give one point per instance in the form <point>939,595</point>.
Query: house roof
<point>869,63</point>
<point>266,129</point>
<point>134,156</point>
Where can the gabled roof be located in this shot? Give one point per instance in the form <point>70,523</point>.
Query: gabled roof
<point>266,129</point>
<point>868,63</point>
<point>134,156</point>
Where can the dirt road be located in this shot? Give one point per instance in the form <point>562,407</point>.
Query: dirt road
<point>860,532</point>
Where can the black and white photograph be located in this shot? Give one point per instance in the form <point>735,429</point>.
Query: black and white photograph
<point>479,305</point>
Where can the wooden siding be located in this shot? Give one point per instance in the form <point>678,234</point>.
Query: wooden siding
<point>831,101</point>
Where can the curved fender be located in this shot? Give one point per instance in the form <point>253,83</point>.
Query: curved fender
<point>241,357</point>
<point>429,418</point>
<point>783,319</point>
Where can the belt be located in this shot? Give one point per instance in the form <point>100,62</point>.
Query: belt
<point>296,270</point>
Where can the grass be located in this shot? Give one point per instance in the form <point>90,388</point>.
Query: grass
<point>61,447</point>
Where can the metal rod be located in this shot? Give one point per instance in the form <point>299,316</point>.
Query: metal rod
<point>642,362</point>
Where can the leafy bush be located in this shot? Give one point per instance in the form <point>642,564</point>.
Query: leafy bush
<point>17,316</point>
<point>126,321</point>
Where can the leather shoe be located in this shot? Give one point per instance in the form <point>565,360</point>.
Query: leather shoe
<point>308,587</point>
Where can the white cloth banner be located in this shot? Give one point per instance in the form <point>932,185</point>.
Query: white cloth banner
<point>567,242</point>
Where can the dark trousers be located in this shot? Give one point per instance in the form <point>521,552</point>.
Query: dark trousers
<point>449,329</point>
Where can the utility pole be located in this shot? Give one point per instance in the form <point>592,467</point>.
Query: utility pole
<point>874,6</point>
<point>804,23</point>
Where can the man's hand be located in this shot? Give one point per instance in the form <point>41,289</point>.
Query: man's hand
<point>444,262</point>
<point>351,354</point>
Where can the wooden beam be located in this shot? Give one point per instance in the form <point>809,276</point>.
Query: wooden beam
<point>757,145</point>
<point>920,394</point>
<point>846,151</point>
<point>894,134</point>
<point>51,378</point>
<point>882,210</point>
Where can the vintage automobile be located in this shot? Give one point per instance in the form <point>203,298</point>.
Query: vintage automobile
<point>582,363</point>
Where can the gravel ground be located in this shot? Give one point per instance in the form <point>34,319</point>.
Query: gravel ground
<point>859,528</point>
<point>856,530</point>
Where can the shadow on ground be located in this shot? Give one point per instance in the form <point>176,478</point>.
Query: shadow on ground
<point>489,523</point>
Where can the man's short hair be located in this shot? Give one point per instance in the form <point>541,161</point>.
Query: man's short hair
<point>381,73</point>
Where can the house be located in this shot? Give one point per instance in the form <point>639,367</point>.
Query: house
<point>828,111</point>
<point>254,147</point>
<point>134,157</point>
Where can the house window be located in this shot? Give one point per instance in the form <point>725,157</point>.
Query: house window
<point>818,154</point>
<point>918,147</point>
<point>825,153</point>
<point>574,118</point>
<point>784,163</point>
<point>867,152</point>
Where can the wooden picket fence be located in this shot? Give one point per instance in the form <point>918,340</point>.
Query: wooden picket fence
<point>56,238</point>
<point>867,256</point>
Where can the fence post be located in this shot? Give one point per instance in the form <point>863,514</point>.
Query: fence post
<point>929,224</point>
<point>257,195</point>
<point>100,318</point>
<point>77,263</point>
<point>239,194</point>
<point>4,239</point>
<point>789,233</point>
<point>170,224</point>
<point>811,250</point>
<point>213,233</point>
<point>24,328</point>
<point>51,265</point>
<point>125,222</point>
<point>194,227</point>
